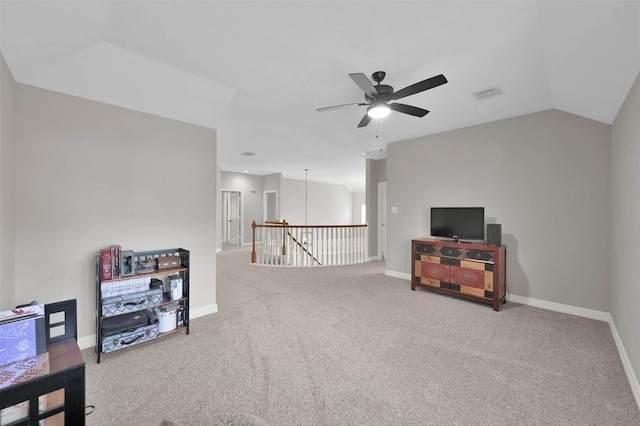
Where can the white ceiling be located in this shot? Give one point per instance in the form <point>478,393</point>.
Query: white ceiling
<point>257,71</point>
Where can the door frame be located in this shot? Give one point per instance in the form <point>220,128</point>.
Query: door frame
<point>382,220</point>
<point>224,215</point>
<point>265,204</point>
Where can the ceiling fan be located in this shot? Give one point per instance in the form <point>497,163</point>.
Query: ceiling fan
<point>377,97</point>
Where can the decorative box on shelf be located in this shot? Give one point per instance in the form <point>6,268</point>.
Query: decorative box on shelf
<point>167,262</point>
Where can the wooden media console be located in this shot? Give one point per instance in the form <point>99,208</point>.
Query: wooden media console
<point>473,271</point>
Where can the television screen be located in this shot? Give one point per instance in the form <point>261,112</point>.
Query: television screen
<point>458,222</point>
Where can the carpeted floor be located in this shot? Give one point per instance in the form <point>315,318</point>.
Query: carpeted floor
<point>350,346</point>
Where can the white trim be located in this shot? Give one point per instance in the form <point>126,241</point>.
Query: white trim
<point>381,224</point>
<point>89,341</point>
<point>628,368</point>
<point>240,216</point>
<point>265,202</point>
<point>559,307</point>
<point>571,310</point>
<point>591,314</point>
<point>397,274</point>
<point>202,311</point>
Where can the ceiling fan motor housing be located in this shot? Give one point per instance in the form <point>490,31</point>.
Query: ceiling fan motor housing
<point>384,91</point>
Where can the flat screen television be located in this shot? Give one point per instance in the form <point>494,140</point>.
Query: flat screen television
<point>458,222</point>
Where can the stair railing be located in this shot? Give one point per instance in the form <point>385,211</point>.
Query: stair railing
<point>281,244</point>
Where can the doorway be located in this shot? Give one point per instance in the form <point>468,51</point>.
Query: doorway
<point>231,217</point>
<point>382,220</point>
<point>270,203</point>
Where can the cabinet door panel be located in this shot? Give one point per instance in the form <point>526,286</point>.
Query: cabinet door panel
<point>450,251</point>
<point>479,292</point>
<point>488,280</point>
<point>426,248</point>
<point>479,255</point>
<point>429,281</point>
<point>472,265</point>
<point>467,277</point>
<point>435,271</point>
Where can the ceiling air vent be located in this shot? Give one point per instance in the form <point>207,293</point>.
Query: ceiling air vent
<point>248,154</point>
<point>488,93</point>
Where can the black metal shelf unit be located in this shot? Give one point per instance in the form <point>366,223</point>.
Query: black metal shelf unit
<point>147,333</point>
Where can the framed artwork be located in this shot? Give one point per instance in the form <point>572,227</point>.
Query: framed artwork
<point>128,263</point>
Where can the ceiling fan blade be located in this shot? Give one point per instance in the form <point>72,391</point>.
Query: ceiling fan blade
<point>365,120</point>
<point>365,84</point>
<point>408,109</point>
<point>331,108</point>
<point>427,84</point>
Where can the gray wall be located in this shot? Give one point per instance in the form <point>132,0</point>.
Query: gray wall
<point>357,200</point>
<point>545,177</point>
<point>7,189</point>
<point>218,209</point>
<point>251,187</point>
<point>625,227</point>
<point>89,175</point>
<point>329,204</point>
<point>376,172</point>
<point>326,204</point>
<point>274,183</point>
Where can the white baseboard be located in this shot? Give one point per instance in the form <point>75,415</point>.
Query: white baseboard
<point>571,310</point>
<point>202,311</point>
<point>591,314</point>
<point>559,307</point>
<point>631,375</point>
<point>396,274</point>
<point>85,342</point>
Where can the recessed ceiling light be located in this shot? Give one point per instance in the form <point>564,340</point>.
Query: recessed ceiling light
<point>248,154</point>
<point>245,171</point>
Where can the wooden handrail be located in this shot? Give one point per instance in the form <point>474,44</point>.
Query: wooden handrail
<point>326,244</point>
<point>307,226</point>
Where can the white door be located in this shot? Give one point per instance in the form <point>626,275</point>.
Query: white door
<point>382,219</point>
<point>225,217</point>
<point>234,218</point>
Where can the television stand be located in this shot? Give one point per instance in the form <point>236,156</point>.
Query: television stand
<point>474,271</point>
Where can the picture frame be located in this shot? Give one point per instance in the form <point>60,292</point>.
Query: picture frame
<point>128,263</point>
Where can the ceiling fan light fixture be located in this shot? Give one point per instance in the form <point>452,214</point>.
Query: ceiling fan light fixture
<point>378,110</point>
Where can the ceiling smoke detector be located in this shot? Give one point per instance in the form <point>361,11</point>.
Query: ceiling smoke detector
<point>378,154</point>
<point>488,93</point>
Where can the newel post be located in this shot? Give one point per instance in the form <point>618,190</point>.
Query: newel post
<point>284,237</point>
<point>253,242</point>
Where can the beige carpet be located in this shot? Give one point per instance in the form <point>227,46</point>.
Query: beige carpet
<point>351,346</point>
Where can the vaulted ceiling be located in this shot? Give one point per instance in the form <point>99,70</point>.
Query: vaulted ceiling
<point>257,70</point>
